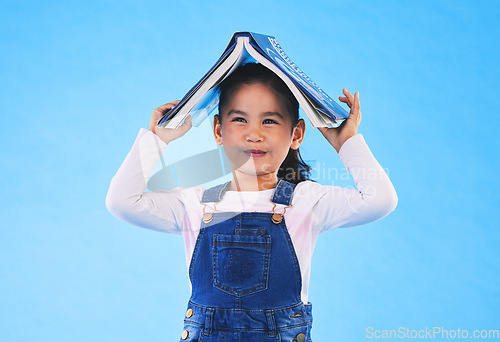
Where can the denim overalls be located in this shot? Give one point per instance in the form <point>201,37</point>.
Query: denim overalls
<point>245,277</point>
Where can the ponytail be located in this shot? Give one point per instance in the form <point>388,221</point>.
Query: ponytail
<point>294,169</point>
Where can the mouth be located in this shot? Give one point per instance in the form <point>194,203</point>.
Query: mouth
<point>255,153</point>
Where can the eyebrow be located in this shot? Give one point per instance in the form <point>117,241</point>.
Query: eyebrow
<point>235,111</point>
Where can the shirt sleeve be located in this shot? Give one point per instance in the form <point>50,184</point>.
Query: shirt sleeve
<point>127,200</point>
<point>373,198</point>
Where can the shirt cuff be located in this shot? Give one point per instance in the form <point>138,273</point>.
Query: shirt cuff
<point>148,135</point>
<point>352,144</point>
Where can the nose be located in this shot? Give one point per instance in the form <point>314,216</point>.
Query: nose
<point>254,133</point>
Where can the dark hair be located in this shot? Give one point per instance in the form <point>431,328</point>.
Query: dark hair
<point>293,168</point>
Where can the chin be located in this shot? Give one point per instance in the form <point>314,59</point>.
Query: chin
<point>257,169</point>
<point>252,172</point>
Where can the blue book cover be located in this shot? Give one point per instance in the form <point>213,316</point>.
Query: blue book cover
<point>269,48</point>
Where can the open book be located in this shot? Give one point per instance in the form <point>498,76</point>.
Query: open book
<point>246,47</point>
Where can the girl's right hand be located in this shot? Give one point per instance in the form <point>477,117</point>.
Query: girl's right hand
<point>168,134</point>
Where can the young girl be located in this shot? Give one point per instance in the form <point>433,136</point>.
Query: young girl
<point>249,241</point>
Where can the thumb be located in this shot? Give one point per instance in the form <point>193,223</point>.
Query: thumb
<point>186,125</point>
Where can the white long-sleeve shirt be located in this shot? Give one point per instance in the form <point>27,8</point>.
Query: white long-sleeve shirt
<point>315,208</point>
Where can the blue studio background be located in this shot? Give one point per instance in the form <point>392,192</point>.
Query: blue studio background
<point>78,80</point>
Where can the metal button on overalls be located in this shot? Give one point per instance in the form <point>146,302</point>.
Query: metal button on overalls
<point>245,276</point>
<point>300,338</point>
<point>185,334</point>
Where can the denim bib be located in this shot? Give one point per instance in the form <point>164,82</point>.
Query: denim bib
<point>245,276</point>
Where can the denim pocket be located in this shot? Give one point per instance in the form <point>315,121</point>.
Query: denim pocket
<point>241,263</point>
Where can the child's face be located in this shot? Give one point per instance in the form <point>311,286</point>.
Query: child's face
<point>256,130</point>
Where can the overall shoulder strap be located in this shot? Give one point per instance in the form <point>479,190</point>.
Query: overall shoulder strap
<point>283,192</point>
<point>215,193</point>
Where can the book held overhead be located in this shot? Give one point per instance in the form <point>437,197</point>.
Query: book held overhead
<point>246,47</point>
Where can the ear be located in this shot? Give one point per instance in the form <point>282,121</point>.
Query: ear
<point>298,134</point>
<point>217,130</point>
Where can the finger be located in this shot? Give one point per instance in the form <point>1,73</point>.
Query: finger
<point>356,101</point>
<point>187,121</point>
<point>343,99</point>
<point>159,112</point>
<point>355,112</point>
<point>174,103</point>
<point>166,107</point>
<point>157,115</point>
<point>186,125</point>
<point>350,98</point>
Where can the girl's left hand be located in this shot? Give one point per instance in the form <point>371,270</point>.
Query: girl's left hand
<point>349,127</point>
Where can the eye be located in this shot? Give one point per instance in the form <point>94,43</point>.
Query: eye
<point>239,119</point>
<point>270,121</point>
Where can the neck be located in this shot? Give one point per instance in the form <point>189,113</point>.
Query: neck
<point>245,182</point>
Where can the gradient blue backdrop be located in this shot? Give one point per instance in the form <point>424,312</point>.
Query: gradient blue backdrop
<point>78,80</point>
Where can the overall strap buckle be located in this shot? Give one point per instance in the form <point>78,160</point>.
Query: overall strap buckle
<point>214,194</point>
<point>277,217</point>
<point>282,195</point>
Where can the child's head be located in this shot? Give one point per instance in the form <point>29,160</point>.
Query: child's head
<point>259,123</point>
